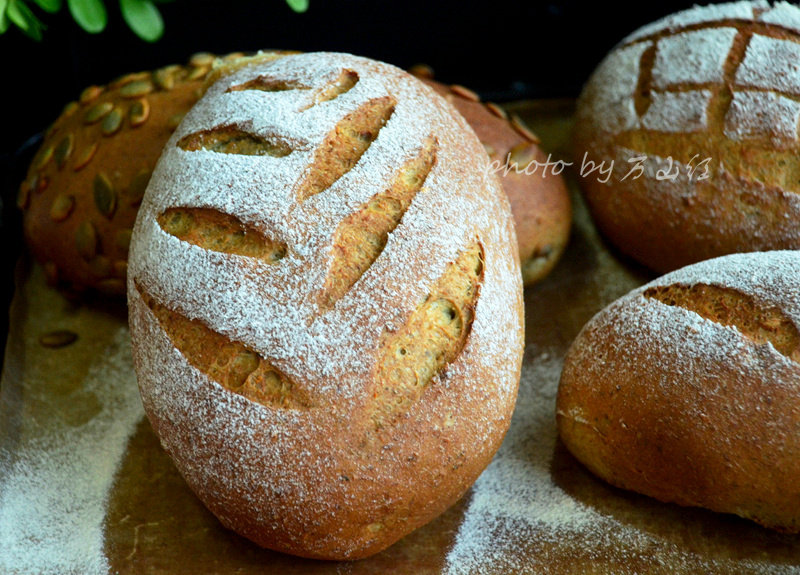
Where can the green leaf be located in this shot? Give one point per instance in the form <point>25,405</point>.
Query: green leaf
<point>51,6</point>
<point>298,6</point>
<point>89,14</point>
<point>22,16</point>
<point>4,21</point>
<point>143,18</point>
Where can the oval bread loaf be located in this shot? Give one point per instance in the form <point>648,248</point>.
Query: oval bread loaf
<point>688,389</point>
<point>540,203</point>
<point>326,304</point>
<point>698,113</point>
<point>86,182</point>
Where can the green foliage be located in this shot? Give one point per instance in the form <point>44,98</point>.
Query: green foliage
<point>142,16</point>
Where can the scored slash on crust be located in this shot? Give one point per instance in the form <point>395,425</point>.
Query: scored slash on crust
<point>360,238</point>
<point>233,140</point>
<point>216,231</point>
<point>343,146</point>
<point>410,358</point>
<point>432,337</point>
<point>732,308</point>
<point>230,364</point>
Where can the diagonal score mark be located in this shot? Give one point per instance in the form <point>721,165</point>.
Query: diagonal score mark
<point>233,140</point>
<point>230,364</point>
<point>361,237</point>
<point>343,146</point>
<point>216,231</point>
<point>345,82</point>
<point>432,338</point>
<point>729,307</point>
<point>268,84</point>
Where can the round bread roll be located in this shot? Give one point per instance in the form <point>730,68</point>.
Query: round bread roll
<point>326,304</point>
<point>85,183</point>
<point>540,203</point>
<point>686,389</point>
<point>686,135</point>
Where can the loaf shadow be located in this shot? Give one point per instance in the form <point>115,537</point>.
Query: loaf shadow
<point>713,536</point>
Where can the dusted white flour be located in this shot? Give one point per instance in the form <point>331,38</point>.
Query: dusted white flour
<point>57,474</point>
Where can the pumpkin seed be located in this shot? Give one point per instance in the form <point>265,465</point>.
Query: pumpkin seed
<point>139,112</point>
<point>105,198</point>
<point>422,71</point>
<point>523,130</point>
<point>64,150</point>
<point>62,207</point>
<point>136,89</point>
<point>39,182</point>
<point>70,109</point>
<point>83,159</point>
<point>464,92</point>
<point>137,187</point>
<point>90,94</point>
<point>24,195</point>
<point>241,366</point>
<point>112,122</point>
<point>497,110</point>
<point>44,158</point>
<point>202,59</point>
<point>197,73</point>
<point>86,240</point>
<point>164,78</point>
<point>97,112</point>
<point>127,79</point>
<point>58,338</point>
<point>522,155</point>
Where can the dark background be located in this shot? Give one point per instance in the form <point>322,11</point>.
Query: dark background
<point>503,50</point>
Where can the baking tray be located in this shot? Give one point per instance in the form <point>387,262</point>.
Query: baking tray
<point>85,487</point>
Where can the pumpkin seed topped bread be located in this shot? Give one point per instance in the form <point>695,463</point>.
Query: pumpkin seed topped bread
<point>325,304</point>
<point>540,202</point>
<point>86,182</point>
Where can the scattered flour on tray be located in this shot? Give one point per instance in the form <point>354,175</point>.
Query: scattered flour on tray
<point>55,485</point>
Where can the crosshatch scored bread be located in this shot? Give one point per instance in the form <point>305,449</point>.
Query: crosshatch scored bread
<point>325,304</point>
<point>686,389</point>
<point>714,88</point>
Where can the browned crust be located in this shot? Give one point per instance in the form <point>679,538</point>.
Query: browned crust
<point>750,205</point>
<point>638,414</point>
<point>540,205</point>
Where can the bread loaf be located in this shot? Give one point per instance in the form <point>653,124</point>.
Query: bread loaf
<point>698,113</point>
<point>540,203</point>
<point>687,389</point>
<point>325,304</point>
<point>85,183</point>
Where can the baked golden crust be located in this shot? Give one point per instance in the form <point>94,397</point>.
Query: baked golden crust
<point>686,389</point>
<point>540,203</point>
<point>699,114</point>
<point>332,358</point>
